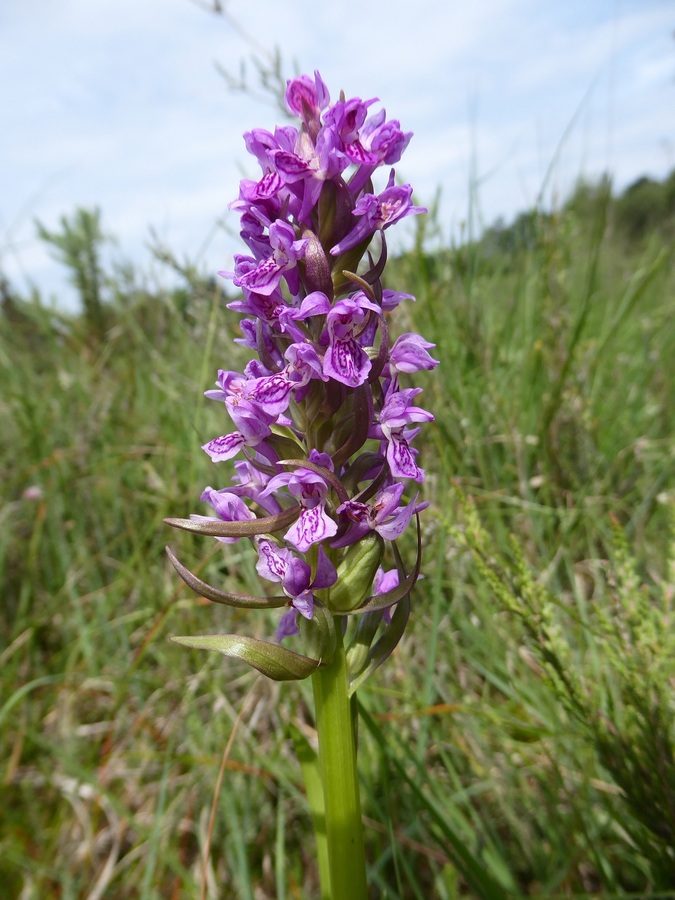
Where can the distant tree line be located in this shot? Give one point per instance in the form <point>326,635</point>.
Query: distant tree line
<point>645,207</point>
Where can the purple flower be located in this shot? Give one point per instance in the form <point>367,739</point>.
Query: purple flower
<point>396,414</point>
<point>264,277</point>
<point>306,98</point>
<point>385,581</point>
<point>377,213</point>
<point>250,483</point>
<point>228,508</point>
<point>275,563</point>
<point>383,515</point>
<point>391,299</point>
<point>313,524</point>
<point>345,359</point>
<point>409,354</point>
<point>368,143</point>
<point>229,383</point>
<point>252,428</point>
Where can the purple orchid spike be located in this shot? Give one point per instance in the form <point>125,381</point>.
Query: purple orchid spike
<point>322,413</point>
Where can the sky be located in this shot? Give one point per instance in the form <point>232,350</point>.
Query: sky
<point>120,104</point>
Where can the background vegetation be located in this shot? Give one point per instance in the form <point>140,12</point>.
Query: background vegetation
<point>521,740</point>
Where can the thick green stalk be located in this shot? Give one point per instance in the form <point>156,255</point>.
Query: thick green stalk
<point>337,760</point>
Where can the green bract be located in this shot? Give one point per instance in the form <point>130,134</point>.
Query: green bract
<point>356,573</point>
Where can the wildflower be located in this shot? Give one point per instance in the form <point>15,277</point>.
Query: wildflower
<point>33,493</point>
<point>278,564</point>
<point>322,425</point>
<point>377,213</point>
<point>322,422</point>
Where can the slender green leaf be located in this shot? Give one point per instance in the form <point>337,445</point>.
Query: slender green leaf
<point>278,663</point>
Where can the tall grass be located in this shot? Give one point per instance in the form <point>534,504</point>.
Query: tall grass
<point>479,776</point>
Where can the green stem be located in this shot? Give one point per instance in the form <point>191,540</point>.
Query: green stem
<point>337,760</point>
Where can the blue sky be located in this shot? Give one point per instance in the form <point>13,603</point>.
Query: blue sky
<point>118,103</point>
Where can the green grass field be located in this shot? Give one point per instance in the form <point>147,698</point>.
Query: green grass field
<point>520,741</point>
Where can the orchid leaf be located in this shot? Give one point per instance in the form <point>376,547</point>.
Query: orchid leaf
<point>311,775</point>
<point>319,632</point>
<point>272,660</point>
<point>385,645</point>
<point>247,528</point>
<point>242,601</point>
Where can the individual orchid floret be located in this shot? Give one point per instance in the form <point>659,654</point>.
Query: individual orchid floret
<point>252,428</point>
<point>313,524</point>
<point>229,383</point>
<point>376,213</point>
<point>304,364</point>
<point>374,143</point>
<point>306,98</point>
<point>228,508</point>
<point>262,144</point>
<point>272,393</point>
<point>391,299</point>
<point>409,354</point>
<point>395,417</point>
<point>264,277</point>
<point>385,581</point>
<point>383,514</point>
<point>305,169</point>
<point>382,141</point>
<point>345,359</point>
<point>250,483</point>
<point>278,564</point>
<point>344,120</point>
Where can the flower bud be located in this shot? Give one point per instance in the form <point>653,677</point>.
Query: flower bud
<point>356,572</point>
<point>317,267</point>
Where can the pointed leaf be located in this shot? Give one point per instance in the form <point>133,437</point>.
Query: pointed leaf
<point>272,660</point>
<point>242,601</point>
<point>319,632</point>
<point>385,645</point>
<point>311,775</point>
<point>264,525</point>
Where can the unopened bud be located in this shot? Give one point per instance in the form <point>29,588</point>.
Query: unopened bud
<point>356,573</point>
<point>317,266</point>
